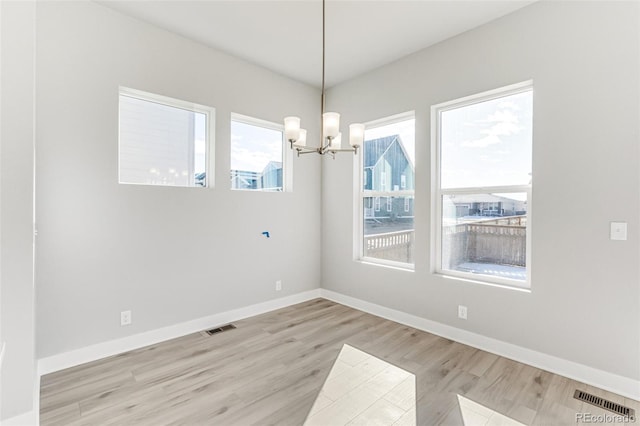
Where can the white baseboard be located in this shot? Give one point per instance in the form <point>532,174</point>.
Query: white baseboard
<point>32,417</point>
<point>26,419</point>
<point>113,347</point>
<point>608,381</point>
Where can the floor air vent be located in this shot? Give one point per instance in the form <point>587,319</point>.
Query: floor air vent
<point>220,329</point>
<point>603,403</point>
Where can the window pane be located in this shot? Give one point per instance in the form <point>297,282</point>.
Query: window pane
<point>485,234</point>
<point>256,157</point>
<point>161,144</point>
<point>388,233</point>
<point>388,158</point>
<point>487,143</point>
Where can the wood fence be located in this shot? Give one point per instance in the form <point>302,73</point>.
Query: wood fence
<point>484,243</point>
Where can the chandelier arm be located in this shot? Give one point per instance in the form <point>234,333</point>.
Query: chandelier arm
<point>326,147</point>
<point>343,150</point>
<point>303,148</point>
<point>307,151</point>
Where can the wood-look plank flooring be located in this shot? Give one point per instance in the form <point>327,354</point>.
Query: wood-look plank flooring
<point>271,369</point>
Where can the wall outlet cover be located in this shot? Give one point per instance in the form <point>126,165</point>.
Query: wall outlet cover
<point>462,312</point>
<point>125,318</point>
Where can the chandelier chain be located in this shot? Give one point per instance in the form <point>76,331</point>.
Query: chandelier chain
<point>323,60</point>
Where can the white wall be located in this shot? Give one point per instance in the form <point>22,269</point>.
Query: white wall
<point>584,303</point>
<point>17,37</point>
<point>168,254</point>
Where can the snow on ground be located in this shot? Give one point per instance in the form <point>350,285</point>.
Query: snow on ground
<point>504,271</point>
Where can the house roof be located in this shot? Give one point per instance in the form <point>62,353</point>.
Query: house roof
<point>272,165</point>
<point>375,149</point>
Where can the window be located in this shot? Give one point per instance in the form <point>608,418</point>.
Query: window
<point>162,141</point>
<point>257,154</point>
<point>386,234</point>
<point>482,198</point>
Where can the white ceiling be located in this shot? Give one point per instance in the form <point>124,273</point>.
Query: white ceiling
<point>285,36</point>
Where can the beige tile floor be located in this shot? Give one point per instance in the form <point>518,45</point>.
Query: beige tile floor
<point>364,390</point>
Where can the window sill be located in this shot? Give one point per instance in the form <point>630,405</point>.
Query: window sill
<point>387,264</point>
<point>486,283</point>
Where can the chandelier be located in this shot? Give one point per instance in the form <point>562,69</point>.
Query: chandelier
<point>331,137</point>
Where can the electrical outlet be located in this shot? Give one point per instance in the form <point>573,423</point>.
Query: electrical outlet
<point>278,285</point>
<point>125,318</point>
<point>462,312</point>
<point>618,231</point>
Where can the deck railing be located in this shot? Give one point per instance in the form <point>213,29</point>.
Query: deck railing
<point>501,241</point>
<point>396,246</point>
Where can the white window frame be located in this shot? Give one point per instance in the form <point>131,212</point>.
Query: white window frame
<point>407,204</point>
<point>210,114</point>
<point>403,181</point>
<point>376,204</point>
<point>287,154</point>
<point>437,192</point>
<point>389,204</point>
<point>359,194</point>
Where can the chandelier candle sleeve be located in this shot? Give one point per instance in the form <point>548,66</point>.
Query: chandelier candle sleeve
<point>336,143</point>
<point>302,139</point>
<point>292,128</point>
<point>356,134</point>
<point>330,124</point>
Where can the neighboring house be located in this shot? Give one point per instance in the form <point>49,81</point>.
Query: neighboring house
<point>387,168</point>
<point>201,179</point>
<point>488,205</point>
<point>270,179</point>
<point>148,156</point>
<point>272,176</point>
<point>243,179</point>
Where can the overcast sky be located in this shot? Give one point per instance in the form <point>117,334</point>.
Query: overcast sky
<point>252,147</point>
<point>488,143</point>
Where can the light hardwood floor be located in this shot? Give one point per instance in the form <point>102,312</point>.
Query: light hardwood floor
<point>270,370</point>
